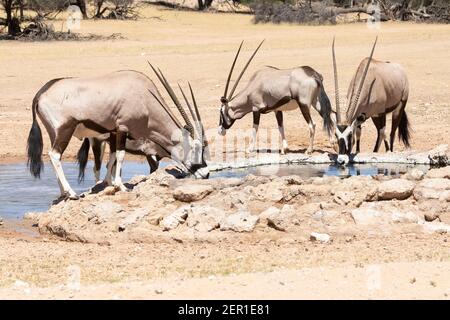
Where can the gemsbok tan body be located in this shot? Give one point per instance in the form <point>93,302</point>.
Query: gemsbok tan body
<point>125,105</point>
<point>276,90</point>
<point>377,89</point>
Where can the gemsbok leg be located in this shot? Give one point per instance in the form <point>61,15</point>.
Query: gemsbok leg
<point>380,124</point>
<point>358,139</point>
<point>284,146</point>
<point>59,145</point>
<point>98,148</point>
<point>256,119</point>
<point>304,108</point>
<point>112,158</point>
<point>120,156</point>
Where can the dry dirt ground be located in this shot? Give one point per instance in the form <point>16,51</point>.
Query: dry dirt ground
<point>199,48</point>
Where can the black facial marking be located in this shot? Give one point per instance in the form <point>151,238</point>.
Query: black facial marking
<point>342,127</point>
<point>342,147</point>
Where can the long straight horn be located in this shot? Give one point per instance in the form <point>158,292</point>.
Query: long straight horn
<point>193,115</point>
<point>361,83</point>
<point>174,98</point>
<point>336,86</point>
<point>243,71</point>
<point>198,114</point>
<point>231,70</point>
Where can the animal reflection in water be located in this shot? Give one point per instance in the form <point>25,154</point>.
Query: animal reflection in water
<point>306,171</point>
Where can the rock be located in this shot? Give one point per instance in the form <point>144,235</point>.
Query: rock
<point>399,189</point>
<point>379,213</point>
<point>435,227</point>
<point>1,221</point>
<point>241,221</point>
<point>404,217</point>
<point>192,192</point>
<point>414,175</point>
<point>133,218</point>
<point>320,237</point>
<point>443,173</point>
<point>439,156</point>
<point>137,179</point>
<point>174,219</point>
<point>154,218</point>
<point>104,211</point>
<point>272,191</point>
<point>369,216</point>
<point>283,219</point>
<point>109,191</point>
<point>323,214</point>
<point>431,216</point>
<point>205,218</point>
<point>435,188</point>
<point>343,197</point>
<point>271,211</point>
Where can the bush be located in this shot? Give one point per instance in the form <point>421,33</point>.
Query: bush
<point>277,12</point>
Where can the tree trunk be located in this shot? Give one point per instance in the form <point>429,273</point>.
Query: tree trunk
<point>82,5</point>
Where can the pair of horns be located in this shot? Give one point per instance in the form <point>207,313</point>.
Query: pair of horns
<point>361,83</point>
<point>230,96</point>
<point>196,131</point>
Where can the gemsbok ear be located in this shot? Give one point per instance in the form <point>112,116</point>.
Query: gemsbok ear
<point>359,120</point>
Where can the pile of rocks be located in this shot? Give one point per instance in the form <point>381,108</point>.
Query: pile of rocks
<point>317,209</point>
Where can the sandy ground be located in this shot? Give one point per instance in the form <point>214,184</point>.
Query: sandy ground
<point>199,48</point>
<point>391,267</point>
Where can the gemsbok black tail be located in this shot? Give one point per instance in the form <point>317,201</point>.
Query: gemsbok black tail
<point>82,159</point>
<point>404,132</point>
<point>35,145</point>
<point>325,108</point>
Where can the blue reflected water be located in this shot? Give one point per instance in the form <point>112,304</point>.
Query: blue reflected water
<point>20,192</point>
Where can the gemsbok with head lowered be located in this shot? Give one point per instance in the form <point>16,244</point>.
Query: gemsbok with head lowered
<point>276,90</point>
<point>124,104</point>
<point>376,89</point>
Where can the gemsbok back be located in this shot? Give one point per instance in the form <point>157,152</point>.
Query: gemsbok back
<point>376,89</point>
<point>276,90</point>
<point>124,104</point>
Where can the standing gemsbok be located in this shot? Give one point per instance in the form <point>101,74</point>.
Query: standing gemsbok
<point>124,104</point>
<point>276,90</point>
<point>382,88</point>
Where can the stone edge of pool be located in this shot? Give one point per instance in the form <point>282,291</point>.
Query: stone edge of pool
<point>438,156</point>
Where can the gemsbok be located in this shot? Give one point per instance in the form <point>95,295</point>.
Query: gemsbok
<point>276,90</point>
<point>382,88</point>
<point>124,104</point>
<point>98,149</point>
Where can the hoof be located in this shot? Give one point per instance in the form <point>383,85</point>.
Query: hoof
<point>309,151</point>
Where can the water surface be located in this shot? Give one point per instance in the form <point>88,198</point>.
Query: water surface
<point>20,192</point>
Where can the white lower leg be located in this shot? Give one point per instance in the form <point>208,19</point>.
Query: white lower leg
<point>252,145</point>
<point>312,132</point>
<point>55,158</point>
<point>109,168</point>
<point>284,145</point>
<point>118,178</point>
<point>97,175</point>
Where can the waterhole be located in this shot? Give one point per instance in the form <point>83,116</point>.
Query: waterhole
<point>20,192</point>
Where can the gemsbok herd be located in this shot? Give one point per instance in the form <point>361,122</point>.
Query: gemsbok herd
<point>125,110</point>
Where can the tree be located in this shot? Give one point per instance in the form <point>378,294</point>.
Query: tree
<point>82,5</point>
<point>12,22</point>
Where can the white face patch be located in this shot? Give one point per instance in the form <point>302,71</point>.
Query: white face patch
<point>344,135</point>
